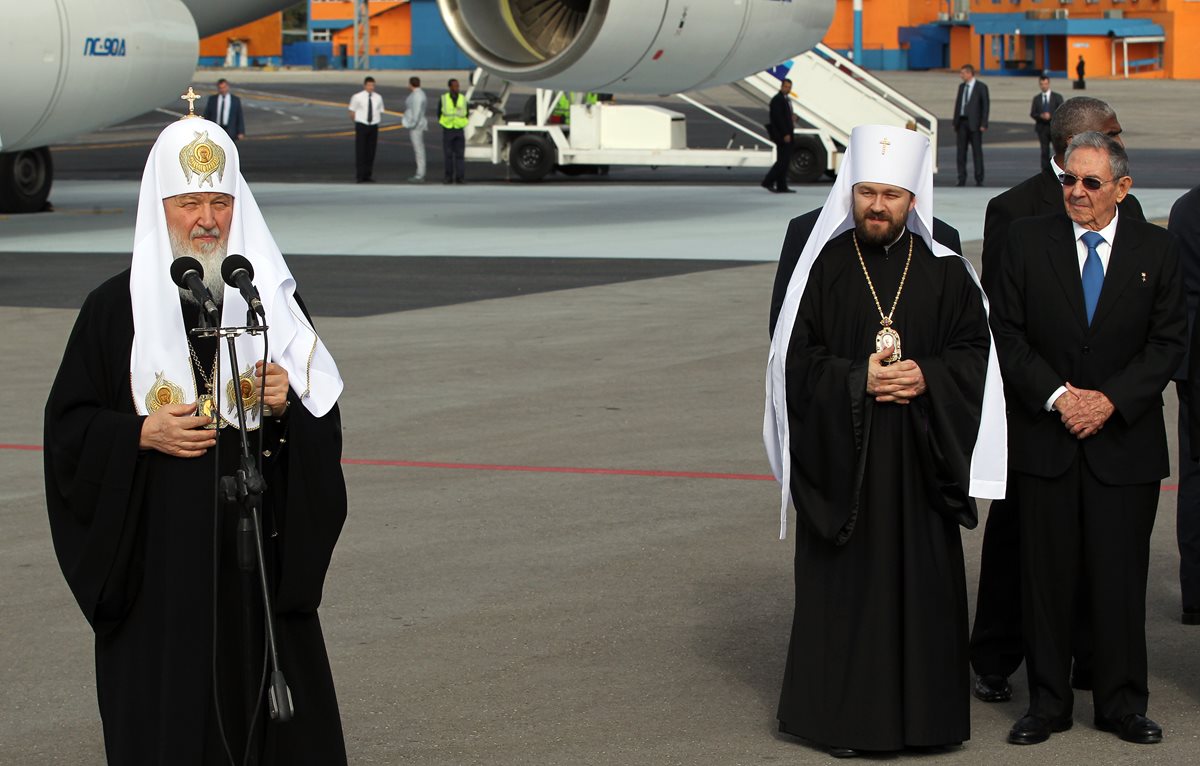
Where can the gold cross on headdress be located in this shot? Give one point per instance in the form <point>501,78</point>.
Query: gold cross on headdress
<point>885,144</point>
<point>191,98</point>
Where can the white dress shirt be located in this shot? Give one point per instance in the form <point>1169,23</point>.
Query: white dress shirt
<point>358,105</point>
<point>1104,250</point>
<point>223,109</point>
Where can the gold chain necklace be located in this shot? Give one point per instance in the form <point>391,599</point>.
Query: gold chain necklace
<point>205,406</point>
<point>887,337</point>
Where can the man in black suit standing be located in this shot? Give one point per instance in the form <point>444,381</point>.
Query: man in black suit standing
<point>996,645</point>
<point>781,127</point>
<point>1090,325</point>
<point>1185,225</point>
<point>970,122</point>
<point>225,109</point>
<point>1041,110</point>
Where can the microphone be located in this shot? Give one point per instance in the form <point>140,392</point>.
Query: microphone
<point>237,272</point>
<point>188,274</point>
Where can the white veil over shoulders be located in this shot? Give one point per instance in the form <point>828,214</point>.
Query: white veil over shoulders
<point>195,155</point>
<point>904,158</point>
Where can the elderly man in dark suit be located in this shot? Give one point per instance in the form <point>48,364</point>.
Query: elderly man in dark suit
<point>1041,110</point>
<point>996,649</point>
<point>1090,325</point>
<point>971,108</point>
<point>225,109</point>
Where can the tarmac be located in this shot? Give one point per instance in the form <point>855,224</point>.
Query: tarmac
<point>562,545</point>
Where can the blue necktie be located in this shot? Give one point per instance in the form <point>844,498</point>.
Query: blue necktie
<point>1093,273</point>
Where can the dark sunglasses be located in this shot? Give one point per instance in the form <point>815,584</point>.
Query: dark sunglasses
<point>1089,183</point>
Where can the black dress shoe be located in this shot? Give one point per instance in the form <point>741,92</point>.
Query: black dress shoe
<point>961,183</point>
<point>844,752</point>
<point>767,186</point>
<point>1033,730</point>
<point>992,688</point>
<point>785,190</point>
<point>1191,616</point>
<point>1133,727</point>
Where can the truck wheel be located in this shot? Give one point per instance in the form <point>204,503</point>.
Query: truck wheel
<point>808,159</point>
<point>25,179</point>
<point>531,157</point>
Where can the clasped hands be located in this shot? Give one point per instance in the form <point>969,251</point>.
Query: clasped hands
<point>1083,411</point>
<point>897,383</point>
<point>175,430</point>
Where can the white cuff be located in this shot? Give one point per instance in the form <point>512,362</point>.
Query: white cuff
<point>1049,405</point>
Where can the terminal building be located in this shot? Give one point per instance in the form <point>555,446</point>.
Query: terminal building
<point>1115,38</point>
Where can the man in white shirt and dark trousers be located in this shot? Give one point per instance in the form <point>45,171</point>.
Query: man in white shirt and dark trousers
<point>415,121</point>
<point>366,107</point>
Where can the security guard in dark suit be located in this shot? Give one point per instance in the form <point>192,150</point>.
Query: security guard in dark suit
<point>1041,110</point>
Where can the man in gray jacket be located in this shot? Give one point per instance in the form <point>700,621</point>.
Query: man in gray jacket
<point>414,120</point>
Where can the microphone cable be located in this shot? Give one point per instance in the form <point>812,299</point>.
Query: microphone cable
<point>260,695</point>
<point>216,570</point>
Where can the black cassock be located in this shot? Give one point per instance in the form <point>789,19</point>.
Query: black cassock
<point>135,536</point>
<point>878,652</point>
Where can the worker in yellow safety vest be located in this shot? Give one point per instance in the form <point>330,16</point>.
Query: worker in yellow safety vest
<point>452,116</point>
<point>562,109</point>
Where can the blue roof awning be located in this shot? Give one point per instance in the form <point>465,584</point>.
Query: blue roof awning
<point>1011,23</point>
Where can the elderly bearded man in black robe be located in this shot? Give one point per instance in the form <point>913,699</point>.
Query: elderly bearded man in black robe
<point>147,549</point>
<point>886,371</point>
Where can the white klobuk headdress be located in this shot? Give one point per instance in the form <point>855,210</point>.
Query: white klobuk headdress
<point>899,157</point>
<point>195,155</point>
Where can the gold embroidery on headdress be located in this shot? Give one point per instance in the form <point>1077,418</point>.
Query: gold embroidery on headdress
<point>162,391</point>
<point>204,158</point>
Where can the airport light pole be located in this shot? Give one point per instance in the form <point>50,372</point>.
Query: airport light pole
<point>858,32</point>
<point>362,35</point>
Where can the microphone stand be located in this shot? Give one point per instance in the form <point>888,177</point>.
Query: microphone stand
<point>246,487</point>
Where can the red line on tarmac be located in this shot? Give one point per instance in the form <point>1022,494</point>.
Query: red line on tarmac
<point>539,468</point>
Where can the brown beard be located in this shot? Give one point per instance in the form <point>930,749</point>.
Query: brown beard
<point>889,235</point>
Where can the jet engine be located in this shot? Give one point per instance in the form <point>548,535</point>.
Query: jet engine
<point>633,46</point>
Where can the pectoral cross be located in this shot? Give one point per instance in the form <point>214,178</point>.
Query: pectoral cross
<point>191,98</point>
<point>885,144</point>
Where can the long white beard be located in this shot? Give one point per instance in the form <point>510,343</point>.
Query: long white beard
<point>210,260</point>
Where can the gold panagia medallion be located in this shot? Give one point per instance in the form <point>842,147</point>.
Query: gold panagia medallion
<point>162,391</point>
<point>203,157</point>
<point>247,389</point>
<point>885,339</point>
<point>207,408</point>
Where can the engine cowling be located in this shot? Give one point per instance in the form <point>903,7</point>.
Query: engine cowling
<point>633,46</point>
<point>78,65</point>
